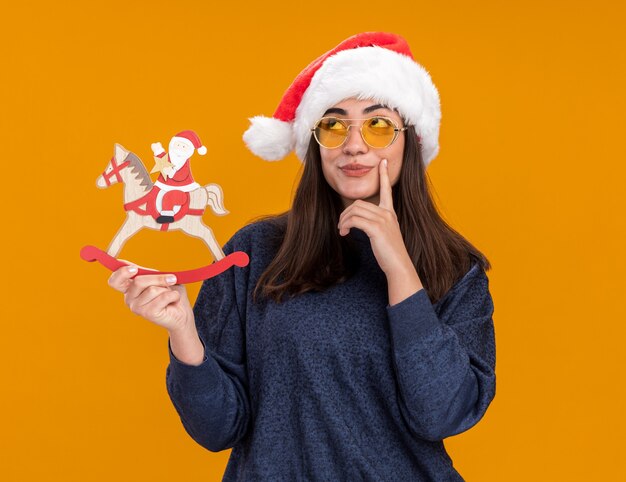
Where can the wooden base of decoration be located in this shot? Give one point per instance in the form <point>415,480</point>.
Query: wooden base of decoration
<point>238,258</point>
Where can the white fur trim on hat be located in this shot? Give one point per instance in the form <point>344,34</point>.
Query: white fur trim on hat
<point>269,138</point>
<point>381,75</point>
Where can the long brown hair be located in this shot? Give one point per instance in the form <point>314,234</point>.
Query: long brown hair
<point>313,256</point>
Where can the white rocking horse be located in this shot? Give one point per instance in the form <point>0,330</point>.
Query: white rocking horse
<point>139,198</point>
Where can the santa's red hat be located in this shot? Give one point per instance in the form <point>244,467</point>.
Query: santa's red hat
<point>192,138</point>
<point>371,65</point>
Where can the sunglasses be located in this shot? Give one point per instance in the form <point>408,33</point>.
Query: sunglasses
<point>377,131</point>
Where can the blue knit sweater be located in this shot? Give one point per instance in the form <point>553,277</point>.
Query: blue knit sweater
<point>338,385</point>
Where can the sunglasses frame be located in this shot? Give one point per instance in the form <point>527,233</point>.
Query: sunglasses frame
<point>396,130</point>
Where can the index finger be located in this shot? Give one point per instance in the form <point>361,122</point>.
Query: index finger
<point>140,283</point>
<point>120,279</point>
<point>385,196</point>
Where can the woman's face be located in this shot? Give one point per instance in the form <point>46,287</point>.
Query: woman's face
<point>362,183</point>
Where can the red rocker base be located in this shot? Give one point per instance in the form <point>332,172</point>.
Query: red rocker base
<point>238,258</point>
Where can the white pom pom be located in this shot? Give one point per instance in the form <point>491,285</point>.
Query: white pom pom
<point>202,150</point>
<point>269,138</point>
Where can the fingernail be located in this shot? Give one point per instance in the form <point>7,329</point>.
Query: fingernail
<point>385,161</point>
<point>132,269</point>
<point>170,278</point>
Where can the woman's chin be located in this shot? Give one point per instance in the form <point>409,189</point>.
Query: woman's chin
<point>350,196</point>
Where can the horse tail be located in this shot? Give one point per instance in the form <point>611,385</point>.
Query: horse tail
<point>216,199</point>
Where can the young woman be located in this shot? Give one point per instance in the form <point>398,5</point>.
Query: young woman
<point>361,333</point>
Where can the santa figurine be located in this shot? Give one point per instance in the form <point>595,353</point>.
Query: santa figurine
<point>175,180</point>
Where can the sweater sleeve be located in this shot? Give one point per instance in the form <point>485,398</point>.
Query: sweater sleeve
<point>212,398</point>
<point>445,365</point>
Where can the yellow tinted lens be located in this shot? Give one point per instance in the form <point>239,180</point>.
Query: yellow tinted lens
<point>378,131</point>
<point>330,132</point>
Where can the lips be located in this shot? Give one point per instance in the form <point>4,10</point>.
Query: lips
<point>355,167</point>
<point>355,170</point>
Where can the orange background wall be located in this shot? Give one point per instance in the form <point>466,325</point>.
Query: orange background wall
<point>531,170</point>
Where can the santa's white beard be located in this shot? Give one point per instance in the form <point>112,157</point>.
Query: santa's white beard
<point>178,159</point>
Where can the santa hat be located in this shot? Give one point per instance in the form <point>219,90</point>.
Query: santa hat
<point>191,138</point>
<point>371,65</point>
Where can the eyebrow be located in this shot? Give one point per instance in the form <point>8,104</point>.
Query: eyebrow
<point>367,110</point>
<point>372,108</point>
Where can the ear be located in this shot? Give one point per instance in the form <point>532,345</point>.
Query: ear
<point>120,153</point>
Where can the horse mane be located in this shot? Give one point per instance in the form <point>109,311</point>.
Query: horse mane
<point>139,170</point>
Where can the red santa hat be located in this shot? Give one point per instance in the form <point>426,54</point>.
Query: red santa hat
<point>371,65</point>
<point>191,138</point>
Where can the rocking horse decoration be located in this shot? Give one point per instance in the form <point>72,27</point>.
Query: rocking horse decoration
<point>174,201</point>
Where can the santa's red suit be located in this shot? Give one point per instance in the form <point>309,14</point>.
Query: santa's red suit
<point>174,191</point>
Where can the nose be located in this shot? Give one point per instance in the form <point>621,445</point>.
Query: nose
<point>354,144</point>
